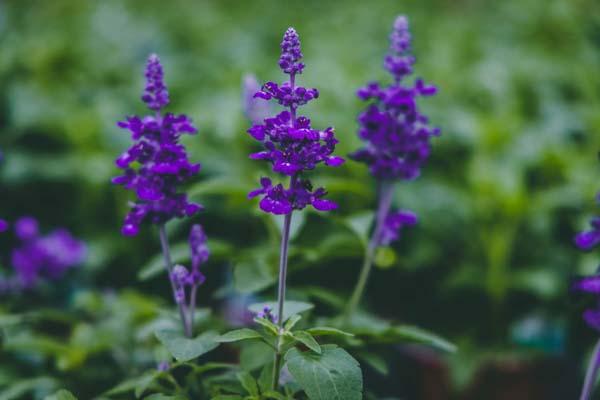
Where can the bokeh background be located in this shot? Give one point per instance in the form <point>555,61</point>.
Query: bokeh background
<point>510,181</point>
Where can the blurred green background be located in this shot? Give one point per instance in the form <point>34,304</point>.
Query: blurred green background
<point>511,179</point>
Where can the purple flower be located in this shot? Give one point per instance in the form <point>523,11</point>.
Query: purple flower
<point>199,254</point>
<point>393,224</point>
<point>289,142</point>
<point>3,225</point>
<point>267,313</point>
<point>47,256</point>
<point>395,133</point>
<point>255,108</point>
<point>586,240</point>
<point>156,164</point>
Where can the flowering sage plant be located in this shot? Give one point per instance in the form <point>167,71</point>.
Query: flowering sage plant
<point>397,143</point>
<point>155,167</point>
<point>293,148</point>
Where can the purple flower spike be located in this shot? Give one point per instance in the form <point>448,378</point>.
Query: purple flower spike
<point>395,133</point>
<point>156,164</point>
<point>289,142</point>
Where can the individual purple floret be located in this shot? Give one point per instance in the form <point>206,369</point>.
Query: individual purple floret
<point>290,144</point>
<point>395,133</point>
<point>256,109</point>
<point>586,240</point>
<point>267,313</point>
<point>156,164</point>
<point>393,225</point>
<point>47,256</point>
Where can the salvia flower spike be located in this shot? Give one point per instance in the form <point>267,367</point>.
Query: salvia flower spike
<point>396,138</point>
<point>290,144</point>
<point>155,167</point>
<point>156,164</point>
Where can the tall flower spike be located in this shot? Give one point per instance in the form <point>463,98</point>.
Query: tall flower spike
<point>289,142</point>
<point>396,140</point>
<point>156,164</point>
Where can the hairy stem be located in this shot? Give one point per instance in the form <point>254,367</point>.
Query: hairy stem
<point>386,192</point>
<point>164,242</point>
<point>592,371</point>
<point>283,258</point>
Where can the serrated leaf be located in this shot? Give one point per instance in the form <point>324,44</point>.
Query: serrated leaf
<point>307,339</point>
<point>290,307</point>
<point>248,382</point>
<point>326,330</point>
<point>239,334</point>
<point>62,394</point>
<point>185,349</point>
<point>291,322</point>
<point>418,335</point>
<point>332,375</point>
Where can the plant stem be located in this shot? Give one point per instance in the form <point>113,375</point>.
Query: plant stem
<point>192,307</point>
<point>283,258</point>
<point>386,192</point>
<point>164,242</point>
<point>590,376</point>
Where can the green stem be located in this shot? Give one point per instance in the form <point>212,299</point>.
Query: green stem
<point>592,371</point>
<point>164,242</point>
<point>386,192</point>
<point>283,258</point>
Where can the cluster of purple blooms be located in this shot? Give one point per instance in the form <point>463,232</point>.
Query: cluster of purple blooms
<point>267,313</point>
<point>41,257</point>
<point>156,164</point>
<point>396,135</point>
<point>290,144</point>
<point>587,240</point>
<point>193,278</point>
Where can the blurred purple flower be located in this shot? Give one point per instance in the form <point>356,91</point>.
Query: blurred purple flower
<point>199,254</point>
<point>394,222</point>
<point>156,164</point>
<point>290,144</point>
<point>3,225</point>
<point>256,109</point>
<point>395,133</point>
<point>47,256</point>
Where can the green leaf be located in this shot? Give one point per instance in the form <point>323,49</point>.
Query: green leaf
<point>268,325</point>
<point>156,266</point>
<point>325,330</point>
<point>307,339</point>
<point>248,382</point>
<point>375,361</point>
<point>270,394</point>
<point>332,375</point>
<point>250,276</point>
<point>385,257</point>
<point>185,349</point>
<point>62,394</point>
<point>415,334</point>
<point>291,322</point>
<point>159,396</point>
<point>360,224</point>
<point>289,307</point>
<point>19,389</point>
<point>239,334</point>
<point>255,354</point>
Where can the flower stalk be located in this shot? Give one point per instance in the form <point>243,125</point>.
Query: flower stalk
<point>164,242</point>
<point>592,371</point>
